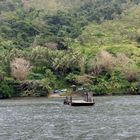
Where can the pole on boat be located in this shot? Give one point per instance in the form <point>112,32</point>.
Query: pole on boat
<point>87,96</point>
<point>71,99</point>
<point>73,90</point>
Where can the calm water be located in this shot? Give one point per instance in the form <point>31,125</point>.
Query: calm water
<point>112,118</point>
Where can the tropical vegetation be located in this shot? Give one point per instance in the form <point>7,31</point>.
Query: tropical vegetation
<point>49,45</point>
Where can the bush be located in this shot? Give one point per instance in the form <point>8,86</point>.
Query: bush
<point>40,89</point>
<point>71,78</point>
<point>20,68</point>
<point>110,84</point>
<point>30,88</point>
<point>6,89</point>
<point>103,62</point>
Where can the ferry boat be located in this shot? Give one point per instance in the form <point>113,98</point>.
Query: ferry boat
<point>88,101</point>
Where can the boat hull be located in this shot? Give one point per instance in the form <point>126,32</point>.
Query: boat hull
<point>82,104</point>
<point>78,102</point>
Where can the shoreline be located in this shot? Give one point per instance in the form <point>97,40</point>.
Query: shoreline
<point>51,96</point>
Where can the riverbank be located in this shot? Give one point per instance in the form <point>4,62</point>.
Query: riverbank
<point>52,95</point>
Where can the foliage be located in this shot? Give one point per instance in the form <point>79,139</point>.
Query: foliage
<point>27,27</point>
<point>92,43</point>
<point>110,84</point>
<point>30,88</point>
<point>61,62</point>
<point>40,90</point>
<point>20,68</point>
<point>6,88</point>
<point>79,79</point>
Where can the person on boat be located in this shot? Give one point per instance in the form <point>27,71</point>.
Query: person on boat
<point>87,97</point>
<point>66,101</point>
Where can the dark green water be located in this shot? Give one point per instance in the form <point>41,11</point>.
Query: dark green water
<point>112,118</point>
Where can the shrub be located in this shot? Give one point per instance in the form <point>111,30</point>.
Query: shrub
<point>30,88</point>
<point>110,84</point>
<point>132,88</point>
<point>20,68</point>
<point>127,67</point>
<point>70,78</point>
<point>6,89</point>
<point>83,79</point>
<point>138,35</point>
<point>40,89</point>
<point>131,73</point>
<point>103,62</point>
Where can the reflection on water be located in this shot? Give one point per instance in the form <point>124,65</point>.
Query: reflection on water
<point>112,118</point>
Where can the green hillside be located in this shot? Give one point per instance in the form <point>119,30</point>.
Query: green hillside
<point>54,5</point>
<point>121,30</point>
<point>92,43</point>
<point>65,5</point>
<point>113,34</point>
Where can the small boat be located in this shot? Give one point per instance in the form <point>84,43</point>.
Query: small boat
<point>87,102</point>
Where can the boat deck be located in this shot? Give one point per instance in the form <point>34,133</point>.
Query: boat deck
<point>74,102</point>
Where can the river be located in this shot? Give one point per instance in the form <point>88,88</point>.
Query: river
<point>112,118</point>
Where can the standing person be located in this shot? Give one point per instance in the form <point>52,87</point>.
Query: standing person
<point>89,98</point>
<point>86,97</point>
<point>66,101</point>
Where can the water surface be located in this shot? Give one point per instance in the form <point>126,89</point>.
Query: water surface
<point>112,118</point>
